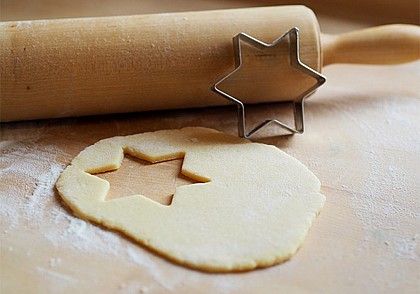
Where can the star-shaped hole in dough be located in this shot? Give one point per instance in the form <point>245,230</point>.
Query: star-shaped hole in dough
<point>156,181</point>
<point>261,78</point>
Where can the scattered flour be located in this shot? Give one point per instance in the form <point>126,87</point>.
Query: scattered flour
<point>39,169</point>
<point>378,202</point>
<point>407,247</point>
<point>54,261</point>
<point>33,201</point>
<point>34,208</point>
<point>381,202</point>
<point>55,276</point>
<point>29,201</point>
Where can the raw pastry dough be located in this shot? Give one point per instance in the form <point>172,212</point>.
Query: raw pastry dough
<point>254,210</point>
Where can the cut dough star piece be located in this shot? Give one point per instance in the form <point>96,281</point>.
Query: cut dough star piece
<point>254,209</point>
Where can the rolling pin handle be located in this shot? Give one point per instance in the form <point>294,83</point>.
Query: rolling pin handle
<point>388,44</point>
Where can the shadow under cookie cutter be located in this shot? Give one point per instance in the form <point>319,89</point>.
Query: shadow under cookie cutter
<point>295,62</point>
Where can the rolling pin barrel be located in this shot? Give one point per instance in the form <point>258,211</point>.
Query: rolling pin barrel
<point>75,67</point>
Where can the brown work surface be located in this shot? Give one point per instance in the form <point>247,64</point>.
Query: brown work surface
<point>361,140</point>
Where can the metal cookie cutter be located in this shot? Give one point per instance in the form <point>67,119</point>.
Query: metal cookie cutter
<point>298,102</point>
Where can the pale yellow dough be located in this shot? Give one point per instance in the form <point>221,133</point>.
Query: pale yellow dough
<point>254,210</point>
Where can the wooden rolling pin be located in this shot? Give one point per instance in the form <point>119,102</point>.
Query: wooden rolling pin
<point>75,67</point>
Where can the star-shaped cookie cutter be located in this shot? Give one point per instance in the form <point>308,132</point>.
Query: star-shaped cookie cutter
<point>295,62</point>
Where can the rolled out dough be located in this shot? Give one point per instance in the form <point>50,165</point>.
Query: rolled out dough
<point>254,209</point>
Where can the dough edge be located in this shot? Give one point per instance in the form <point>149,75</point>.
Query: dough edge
<point>241,266</point>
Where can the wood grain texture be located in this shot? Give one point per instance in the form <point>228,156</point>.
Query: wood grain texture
<point>361,141</point>
<point>75,67</point>
<point>356,143</point>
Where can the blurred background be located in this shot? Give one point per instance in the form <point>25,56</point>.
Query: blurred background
<point>358,13</point>
<point>361,141</point>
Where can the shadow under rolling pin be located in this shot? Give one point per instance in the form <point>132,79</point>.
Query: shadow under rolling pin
<point>76,67</point>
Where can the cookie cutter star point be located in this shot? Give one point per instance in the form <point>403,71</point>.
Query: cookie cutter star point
<point>295,62</point>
